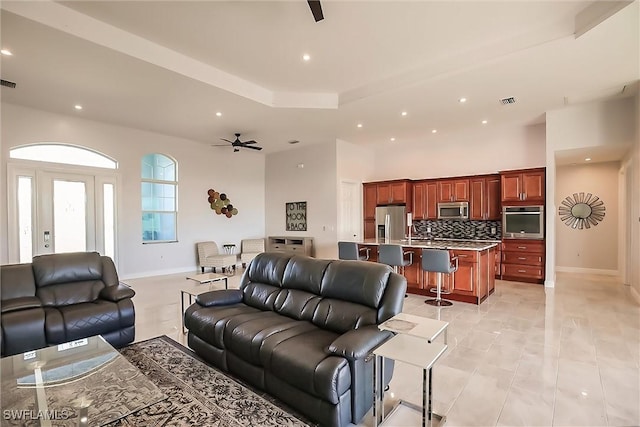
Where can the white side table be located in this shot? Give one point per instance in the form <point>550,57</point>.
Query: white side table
<point>414,351</point>
<point>417,326</point>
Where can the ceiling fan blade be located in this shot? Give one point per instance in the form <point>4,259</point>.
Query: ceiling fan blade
<point>226,140</point>
<point>252,147</point>
<point>250,142</point>
<point>219,145</point>
<point>316,9</point>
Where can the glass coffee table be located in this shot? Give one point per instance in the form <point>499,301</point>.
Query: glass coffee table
<point>80,383</point>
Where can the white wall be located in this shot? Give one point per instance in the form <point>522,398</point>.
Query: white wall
<point>200,167</point>
<point>314,183</point>
<point>483,150</point>
<point>592,125</point>
<point>593,250</point>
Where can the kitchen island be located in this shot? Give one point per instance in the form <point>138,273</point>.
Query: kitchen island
<point>474,280</point>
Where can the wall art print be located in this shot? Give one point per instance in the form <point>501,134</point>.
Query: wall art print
<point>221,204</point>
<point>581,211</point>
<point>296,216</point>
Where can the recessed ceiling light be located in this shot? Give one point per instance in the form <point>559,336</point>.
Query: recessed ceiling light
<point>588,159</point>
<point>306,57</point>
<point>434,131</point>
<point>404,113</point>
<point>392,139</point>
<point>78,107</point>
<point>462,100</point>
<point>6,52</point>
<point>484,122</point>
<point>219,114</point>
<point>359,125</point>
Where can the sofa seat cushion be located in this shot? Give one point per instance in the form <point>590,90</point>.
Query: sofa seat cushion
<point>82,320</point>
<point>303,362</point>
<point>209,323</point>
<point>245,336</point>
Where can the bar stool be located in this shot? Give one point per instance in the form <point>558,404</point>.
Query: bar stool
<point>394,256</point>
<point>349,250</point>
<point>438,261</point>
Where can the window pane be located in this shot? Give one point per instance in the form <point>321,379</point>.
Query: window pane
<point>109,221</point>
<point>25,232</point>
<point>58,153</point>
<point>158,197</point>
<point>158,167</point>
<point>69,216</point>
<point>158,226</point>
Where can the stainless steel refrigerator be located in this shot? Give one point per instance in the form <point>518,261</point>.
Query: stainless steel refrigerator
<point>391,222</point>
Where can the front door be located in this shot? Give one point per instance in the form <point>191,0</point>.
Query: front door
<point>66,213</point>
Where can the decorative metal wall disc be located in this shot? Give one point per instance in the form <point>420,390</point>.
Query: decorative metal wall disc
<point>581,211</point>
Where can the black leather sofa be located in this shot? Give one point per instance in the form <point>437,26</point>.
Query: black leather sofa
<point>64,297</point>
<point>302,329</point>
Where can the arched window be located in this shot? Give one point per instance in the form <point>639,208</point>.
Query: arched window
<point>63,153</point>
<point>159,198</point>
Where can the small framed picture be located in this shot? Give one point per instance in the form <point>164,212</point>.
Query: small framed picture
<point>296,216</point>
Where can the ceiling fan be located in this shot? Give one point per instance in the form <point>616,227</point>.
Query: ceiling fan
<point>237,144</point>
<point>316,9</point>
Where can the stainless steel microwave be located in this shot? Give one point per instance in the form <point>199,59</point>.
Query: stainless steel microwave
<point>523,222</point>
<point>454,210</point>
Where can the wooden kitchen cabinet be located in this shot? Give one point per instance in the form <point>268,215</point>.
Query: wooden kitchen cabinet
<point>393,192</point>
<point>484,198</point>
<point>413,273</point>
<point>370,195</point>
<point>523,260</point>
<point>369,228</point>
<point>523,187</point>
<point>453,190</point>
<point>498,261</point>
<point>425,201</point>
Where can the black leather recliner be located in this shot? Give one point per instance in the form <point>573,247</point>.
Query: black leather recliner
<point>64,297</point>
<point>302,329</point>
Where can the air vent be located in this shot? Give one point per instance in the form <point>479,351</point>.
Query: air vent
<point>295,141</point>
<point>507,101</point>
<point>7,83</point>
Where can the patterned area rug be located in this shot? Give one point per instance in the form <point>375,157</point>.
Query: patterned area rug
<point>198,395</point>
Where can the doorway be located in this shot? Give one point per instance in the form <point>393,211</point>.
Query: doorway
<point>350,211</point>
<point>55,211</point>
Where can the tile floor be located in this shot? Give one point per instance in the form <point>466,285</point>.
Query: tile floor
<point>527,356</point>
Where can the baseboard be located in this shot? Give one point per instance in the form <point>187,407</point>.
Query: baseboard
<point>599,271</point>
<point>143,274</point>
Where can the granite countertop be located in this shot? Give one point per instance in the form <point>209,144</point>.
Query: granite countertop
<point>466,245</point>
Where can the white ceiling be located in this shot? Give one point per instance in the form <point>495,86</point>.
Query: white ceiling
<point>170,66</point>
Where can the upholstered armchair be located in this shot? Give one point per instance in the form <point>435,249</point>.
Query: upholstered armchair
<point>210,256</point>
<point>249,249</point>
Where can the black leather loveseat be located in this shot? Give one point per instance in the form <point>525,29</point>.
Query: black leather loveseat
<point>64,297</point>
<point>301,329</point>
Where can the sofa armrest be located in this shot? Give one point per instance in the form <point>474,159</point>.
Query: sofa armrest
<point>221,297</point>
<point>117,293</point>
<point>358,343</point>
<point>20,303</point>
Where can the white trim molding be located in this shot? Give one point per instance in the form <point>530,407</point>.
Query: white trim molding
<point>581,270</point>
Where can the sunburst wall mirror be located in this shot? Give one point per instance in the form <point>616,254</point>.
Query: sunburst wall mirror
<point>581,211</point>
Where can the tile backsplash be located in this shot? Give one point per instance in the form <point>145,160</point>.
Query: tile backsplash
<point>458,229</point>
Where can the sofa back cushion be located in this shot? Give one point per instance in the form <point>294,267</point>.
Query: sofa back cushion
<point>71,278</point>
<point>356,281</point>
<point>352,293</point>
<point>334,295</point>
<point>16,281</point>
